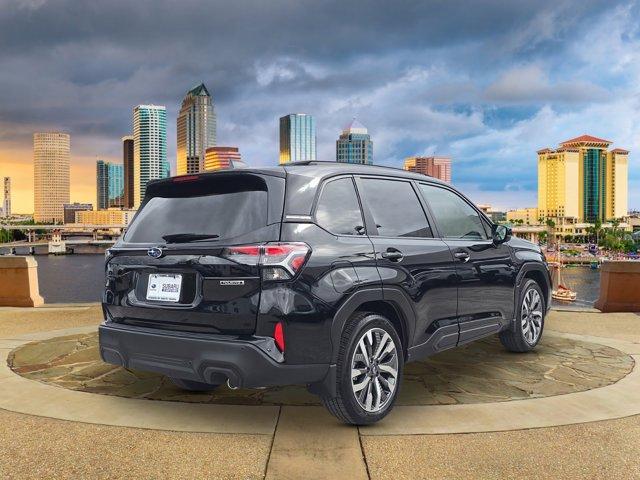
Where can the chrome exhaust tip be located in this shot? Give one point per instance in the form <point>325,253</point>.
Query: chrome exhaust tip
<point>231,387</point>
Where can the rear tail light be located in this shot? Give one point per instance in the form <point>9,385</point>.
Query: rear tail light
<point>278,261</point>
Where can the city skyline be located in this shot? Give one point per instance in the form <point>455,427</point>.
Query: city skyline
<point>487,93</point>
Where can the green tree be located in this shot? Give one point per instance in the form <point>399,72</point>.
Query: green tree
<point>542,236</point>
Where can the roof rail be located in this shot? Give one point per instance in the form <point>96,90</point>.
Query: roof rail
<point>333,162</point>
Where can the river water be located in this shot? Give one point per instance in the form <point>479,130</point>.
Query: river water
<point>80,278</point>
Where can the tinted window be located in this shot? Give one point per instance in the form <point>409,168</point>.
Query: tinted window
<point>454,216</point>
<point>228,209</point>
<point>395,208</point>
<point>338,210</point>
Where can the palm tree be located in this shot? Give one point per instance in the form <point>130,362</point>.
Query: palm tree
<point>550,226</point>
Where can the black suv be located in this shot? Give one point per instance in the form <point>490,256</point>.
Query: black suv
<point>316,273</point>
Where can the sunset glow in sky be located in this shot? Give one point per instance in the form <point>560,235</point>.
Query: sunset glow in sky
<point>487,83</point>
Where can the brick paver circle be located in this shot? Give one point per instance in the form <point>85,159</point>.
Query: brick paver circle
<point>476,373</point>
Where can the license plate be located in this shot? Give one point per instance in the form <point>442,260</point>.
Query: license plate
<point>164,287</point>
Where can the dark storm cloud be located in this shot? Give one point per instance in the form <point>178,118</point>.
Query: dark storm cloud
<point>418,73</point>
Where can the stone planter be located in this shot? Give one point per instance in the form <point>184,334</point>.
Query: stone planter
<point>619,287</point>
<point>19,282</point>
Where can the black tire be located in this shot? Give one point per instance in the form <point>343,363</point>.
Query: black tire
<point>515,339</point>
<point>345,406</point>
<point>193,386</point>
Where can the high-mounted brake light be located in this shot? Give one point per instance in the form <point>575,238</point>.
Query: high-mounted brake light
<point>279,261</point>
<point>186,178</point>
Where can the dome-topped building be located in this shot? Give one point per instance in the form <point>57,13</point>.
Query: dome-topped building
<point>354,144</point>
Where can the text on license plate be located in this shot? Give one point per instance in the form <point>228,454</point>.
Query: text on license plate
<point>164,287</point>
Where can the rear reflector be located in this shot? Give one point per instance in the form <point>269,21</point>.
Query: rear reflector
<point>278,336</point>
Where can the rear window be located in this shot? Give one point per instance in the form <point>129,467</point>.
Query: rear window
<point>222,208</point>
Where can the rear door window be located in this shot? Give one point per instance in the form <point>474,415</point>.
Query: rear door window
<point>338,209</point>
<point>395,208</point>
<point>454,217</point>
<point>215,209</point>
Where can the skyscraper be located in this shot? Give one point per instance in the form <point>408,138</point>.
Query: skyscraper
<point>297,138</point>
<point>218,158</point>
<point>116,185</point>
<point>196,130</point>
<point>149,148</point>
<point>437,167</point>
<point>583,181</point>
<point>127,162</point>
<point>109,185</point>
<point>7,196</point>
<point>354,144</point>
<point>102,185</point>
<point>51,157</point>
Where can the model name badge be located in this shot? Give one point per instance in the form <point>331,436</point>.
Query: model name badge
<point>231,282</point>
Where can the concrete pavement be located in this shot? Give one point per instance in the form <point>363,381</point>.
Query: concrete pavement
<point>307,442</point>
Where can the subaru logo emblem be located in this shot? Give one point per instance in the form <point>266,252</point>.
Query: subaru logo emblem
<point>154,252</point>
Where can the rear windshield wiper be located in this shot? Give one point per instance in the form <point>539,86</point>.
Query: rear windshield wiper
<point>188,237</point>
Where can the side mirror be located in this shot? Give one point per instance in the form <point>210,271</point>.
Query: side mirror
<point>500,234</point>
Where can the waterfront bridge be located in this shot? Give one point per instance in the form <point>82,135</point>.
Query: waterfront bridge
<point>60,238</point>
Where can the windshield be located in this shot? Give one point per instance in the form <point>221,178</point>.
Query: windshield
<point>225,211</point>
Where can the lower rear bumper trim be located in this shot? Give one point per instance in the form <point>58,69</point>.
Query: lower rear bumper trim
<point>242,362</point>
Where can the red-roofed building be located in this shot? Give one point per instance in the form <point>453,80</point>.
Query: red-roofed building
<point>581,180</point>
<point>586,139</point>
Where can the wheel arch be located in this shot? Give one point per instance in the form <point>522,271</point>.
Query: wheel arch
<point>386,302</point>
<point>540,274</point>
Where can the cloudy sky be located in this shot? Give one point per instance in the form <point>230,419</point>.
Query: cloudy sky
<point>486,82</point>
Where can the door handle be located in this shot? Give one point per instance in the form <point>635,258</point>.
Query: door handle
<point>393,255</point>
<point>462,256</point>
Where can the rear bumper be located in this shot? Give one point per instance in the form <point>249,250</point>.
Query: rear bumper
<point>247,363</point>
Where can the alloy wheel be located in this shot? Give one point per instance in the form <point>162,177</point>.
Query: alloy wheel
<point>374,370</point>
<point>531,316</point>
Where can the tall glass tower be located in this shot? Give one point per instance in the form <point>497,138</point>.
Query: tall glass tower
<point>149,148</point>
<point>297,138</point>
<point>102,185</point>
<point>109,185</point>
<point>196,130</point>
<point>354,144</point>
<point>127,162</point>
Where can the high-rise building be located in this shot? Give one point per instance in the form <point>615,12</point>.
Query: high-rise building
<point>196,130</point>
<point>109,185</point>
<point>583,181</point>
<point>116,185</point>
<point>51,158</point>
<point>7,197</point>
<point>437,167</point>
<point>297,138</point>
<point>127,162</point>
<point>354,144</point>
<point>70,210</point>
<point>219,158</point>
<point>149,148</point>
<point>102,185</point>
